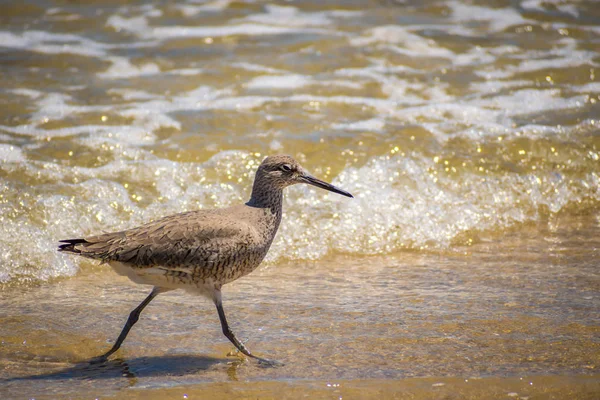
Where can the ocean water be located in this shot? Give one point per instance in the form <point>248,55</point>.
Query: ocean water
<point>450,121</point>
<point>468,132</point>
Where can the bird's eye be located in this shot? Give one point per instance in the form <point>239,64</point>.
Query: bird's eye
<point>286,168</point>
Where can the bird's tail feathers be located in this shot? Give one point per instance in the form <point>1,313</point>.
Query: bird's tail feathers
<point>69,245</point>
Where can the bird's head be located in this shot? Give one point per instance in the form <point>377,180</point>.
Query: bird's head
<point>283,171</point>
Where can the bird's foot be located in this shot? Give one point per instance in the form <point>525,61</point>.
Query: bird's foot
<point>99,360</point>
<point>263,362</point>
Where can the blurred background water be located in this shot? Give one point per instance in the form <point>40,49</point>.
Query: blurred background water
<point>449,120</point>
<point>457,125</point>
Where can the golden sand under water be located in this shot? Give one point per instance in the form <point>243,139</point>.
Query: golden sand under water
<point>467,131</point>
<point>511,316</point>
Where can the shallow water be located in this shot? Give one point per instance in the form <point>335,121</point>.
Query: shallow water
<point>467,131</point>
<point>509,314</point>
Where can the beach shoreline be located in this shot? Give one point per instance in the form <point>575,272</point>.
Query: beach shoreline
<point>518,309</point>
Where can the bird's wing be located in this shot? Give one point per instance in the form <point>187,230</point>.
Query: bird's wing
<point>192,238</point>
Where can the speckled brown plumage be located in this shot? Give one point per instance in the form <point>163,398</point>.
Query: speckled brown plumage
<point>222,244</point>
<point>200,250</point>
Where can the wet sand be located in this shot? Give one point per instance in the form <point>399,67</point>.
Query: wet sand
<point>514,316</point>
<point>467,131</point>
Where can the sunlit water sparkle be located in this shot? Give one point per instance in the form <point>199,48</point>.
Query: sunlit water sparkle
<point>467,131</point>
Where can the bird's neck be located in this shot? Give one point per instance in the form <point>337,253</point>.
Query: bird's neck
<point>266,196</point>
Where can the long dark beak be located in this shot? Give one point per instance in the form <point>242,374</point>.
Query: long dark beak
<point>311,180</point>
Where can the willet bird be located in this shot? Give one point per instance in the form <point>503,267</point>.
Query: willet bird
<point>201,250</point>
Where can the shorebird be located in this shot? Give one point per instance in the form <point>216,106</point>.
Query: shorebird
<point>200,251</point>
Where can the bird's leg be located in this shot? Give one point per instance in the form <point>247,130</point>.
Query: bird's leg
<point>133,318</point>
<point>229,333</point>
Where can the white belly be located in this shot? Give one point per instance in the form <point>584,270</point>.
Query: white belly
<point>157,276</point>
